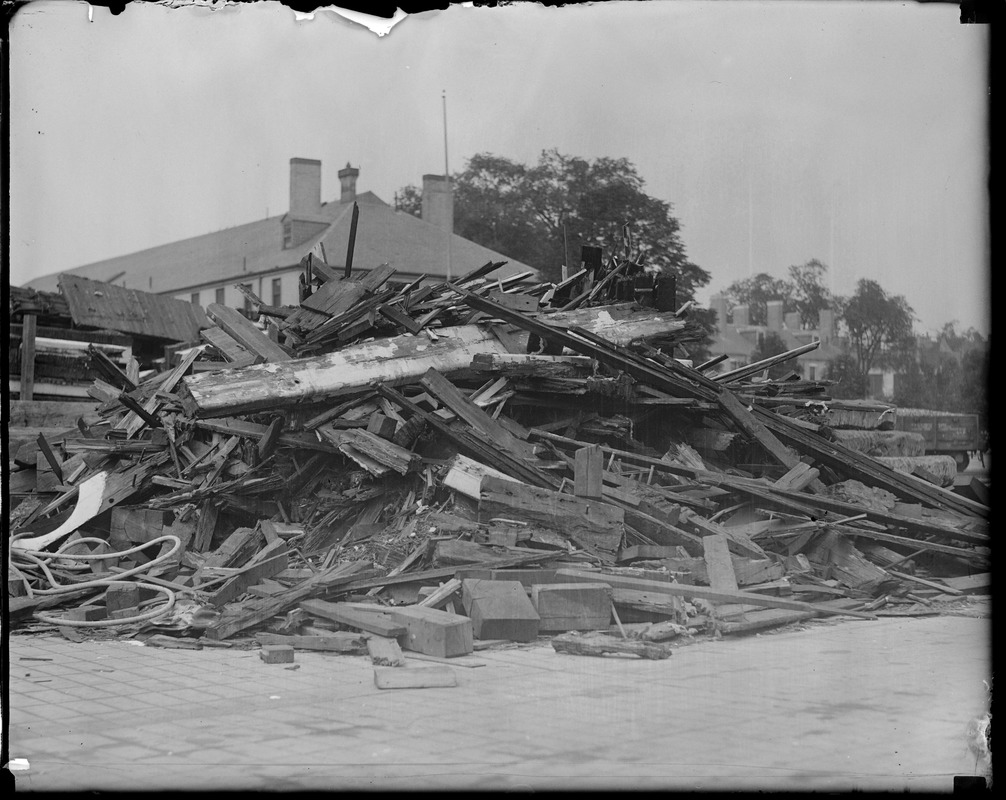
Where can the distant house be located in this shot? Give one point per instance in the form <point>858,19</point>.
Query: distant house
<point>738,339</point>
<point>265,255</point>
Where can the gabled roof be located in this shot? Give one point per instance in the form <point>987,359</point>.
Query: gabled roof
<point>408,243</point>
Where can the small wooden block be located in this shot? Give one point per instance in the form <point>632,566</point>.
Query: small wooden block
<point>86,613</point>
<point>500,610</point>
<point>383,426</point>
<point>121,597</point>
<point>385,652</point>
<point>276,654</point>
<point>414,677</point>
<point>572,606</point>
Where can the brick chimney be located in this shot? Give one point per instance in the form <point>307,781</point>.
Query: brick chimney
<point>826,325</point>
<point>741,316</point>
<point>793,320</point>
<point>438,202</point>
<point>305,188</point>
<point>773,309</point>
<point>347,179</point>
<point>305,219</point>
<point>718,303</point>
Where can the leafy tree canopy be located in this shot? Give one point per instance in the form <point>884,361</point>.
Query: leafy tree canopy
<point>804,291</point>
<point>879,326</point>
<point>542,214</point>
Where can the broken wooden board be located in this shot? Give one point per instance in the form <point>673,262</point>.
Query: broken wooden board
<point>431,631</point>
<point>245,333</point>
<point>572,606</point>
<point>334,642</point>
<point>393,361</point>
<point>596,527</point>
<point>274,561</point>
<point>376,455</point>
<point>598,644</point>
<point>436,677</point>
<point>701,592</point>
<point>980,583</point>
<point>499,610</point>
<point>719,567</point>
<point>765,618</point>
<point>488,428</point>
<point>465,476</point>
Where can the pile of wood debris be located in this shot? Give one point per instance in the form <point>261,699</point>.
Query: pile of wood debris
<point>442,464</point>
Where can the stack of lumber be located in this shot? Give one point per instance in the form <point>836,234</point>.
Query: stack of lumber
<point>439,464</point>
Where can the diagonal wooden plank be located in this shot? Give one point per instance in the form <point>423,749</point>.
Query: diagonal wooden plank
<point>245,333</point>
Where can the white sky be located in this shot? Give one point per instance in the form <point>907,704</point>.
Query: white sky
<point>851,132</point>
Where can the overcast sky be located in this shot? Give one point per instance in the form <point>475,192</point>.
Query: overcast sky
<point>850,132</point>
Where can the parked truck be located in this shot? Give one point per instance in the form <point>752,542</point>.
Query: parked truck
<point>946,433</point>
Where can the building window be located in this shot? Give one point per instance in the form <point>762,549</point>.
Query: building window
<point>812,372</point>
<point>195,298</point>
<point>277,291</point>
<point>220,296</point>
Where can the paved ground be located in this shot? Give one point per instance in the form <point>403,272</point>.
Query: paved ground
<point>868,705</point>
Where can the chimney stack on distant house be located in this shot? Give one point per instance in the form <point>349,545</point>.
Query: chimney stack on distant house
<point>793,321</point>
<point>438,202</point>
<point>305,188</point>
<point>826,324</point>
<point>741,316</point>
<point>347,179</point>
<point>718,303</point>
<point>305,219</point>
<point>773,312</point>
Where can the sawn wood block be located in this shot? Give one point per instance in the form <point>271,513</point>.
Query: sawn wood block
<point>433,632</point>
<point>499,610</point>
<point>572,606</point>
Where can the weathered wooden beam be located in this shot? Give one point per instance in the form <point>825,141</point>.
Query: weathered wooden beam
<point>246,333</point>
<point>703,592</point>
<point>393,361</point>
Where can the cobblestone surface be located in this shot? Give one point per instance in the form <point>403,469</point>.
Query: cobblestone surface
<point>871,705</point>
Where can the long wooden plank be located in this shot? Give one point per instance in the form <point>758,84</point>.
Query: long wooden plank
<point>251,575</point>
<point>719,566</point>
<point>705,593</point>
<point>376,622</point>
<point>231,349</point>
<point>452,397</point>
<point>245,333</point>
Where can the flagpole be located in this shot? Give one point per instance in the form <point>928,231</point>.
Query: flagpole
<point>450,194</point>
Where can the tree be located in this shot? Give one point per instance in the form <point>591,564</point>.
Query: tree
<point>809,295</point>
<point>755,292</point>
<point>543,214</point>
<point>879,325</point>
<point>849,382</point>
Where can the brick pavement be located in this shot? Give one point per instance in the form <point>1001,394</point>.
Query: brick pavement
<point>834,706</point>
